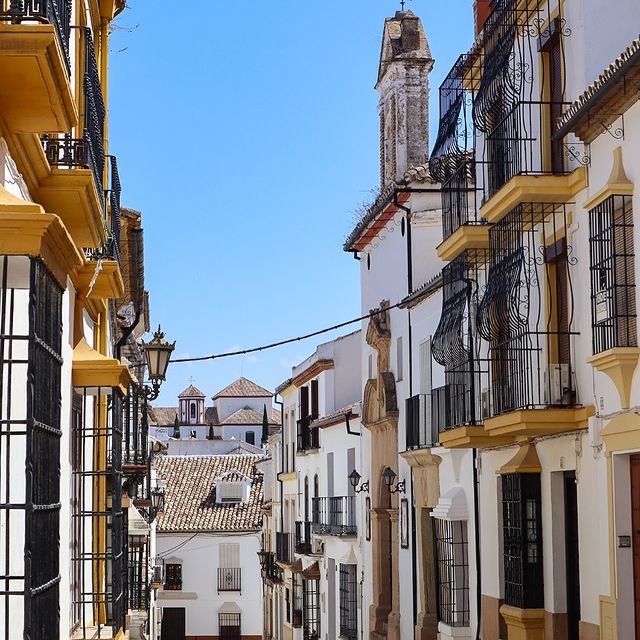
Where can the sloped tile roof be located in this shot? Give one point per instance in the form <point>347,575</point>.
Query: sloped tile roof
<point>243,388</point>
<point>247,416</point>
<point>162,416</point>
<point>191,392</point>
<point>190,493</point>
<point>211,415</point>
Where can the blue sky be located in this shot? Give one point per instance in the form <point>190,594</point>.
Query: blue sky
<point>247,135</point>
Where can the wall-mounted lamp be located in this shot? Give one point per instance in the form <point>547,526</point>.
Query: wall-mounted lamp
<point>389,476</point>
<point>354,479</point>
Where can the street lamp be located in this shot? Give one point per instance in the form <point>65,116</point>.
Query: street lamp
<point>157,500</point>
<point>354,479</point>
<point>158,354</point>
<point>263,557</point>
<point>389,476</point>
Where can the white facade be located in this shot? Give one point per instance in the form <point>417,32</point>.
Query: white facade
<point>200,557</point>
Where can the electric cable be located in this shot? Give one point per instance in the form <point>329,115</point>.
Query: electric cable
<point>281,343</point>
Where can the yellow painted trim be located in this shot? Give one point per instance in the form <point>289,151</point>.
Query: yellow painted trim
<point>532,423</point>
<point>622,433</point>
<point>72,194</point>
<point>35,91</point>
<point>470,437</point>
<point>284,477</point>
<point>542,189</point>
<point>108,284</point>
<point>619,364</point>
<point>523,624</point>
<point>91,369</point>
<point>26,230</point>
<point>468,236</point>
<point>617,185</point>
<point>525,461</point>
<point>608,618</point>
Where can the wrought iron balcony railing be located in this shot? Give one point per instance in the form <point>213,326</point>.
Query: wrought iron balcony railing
<point>520,143</point>
<point>308,436</point>
<point>454,405</point>
<point>135,450</point>
<point>284,547</point>
<point>334,516</point>
<point>229,579</point>
<point>526,312</point>
<point>420,430</point>
<point>87,151</point>
<point>272,571</point>
<point>55,12</point>
<point>452,162</point>
<point>303,538</point>
<point>115,190</point>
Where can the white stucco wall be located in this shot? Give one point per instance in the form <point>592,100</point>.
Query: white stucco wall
<point>199,556</point>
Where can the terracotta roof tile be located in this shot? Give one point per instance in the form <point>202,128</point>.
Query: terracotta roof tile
<point>190,493</point>
<point>247,416</point>
<point>243,388</point>
<point>162,416</point>
<point>191,392</point>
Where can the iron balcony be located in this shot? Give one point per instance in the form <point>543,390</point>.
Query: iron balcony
<point>334,516</point>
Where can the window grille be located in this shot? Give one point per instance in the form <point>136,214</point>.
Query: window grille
<point>452,559</point>
<point>99,524</point>
<point>522,536</point>
<point>456,346</point>
<point>613,295</point>
<point>348,601</point>
<point>229,626</point>
<point>30,379</point>
<point>173,577</point>
<point>138,568</point>
<point>311,609</point>
<point>526,312</point>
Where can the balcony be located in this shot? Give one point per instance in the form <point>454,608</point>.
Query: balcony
<point>135,445</point>
<point>272,572</point>
<point>229,579</point>
<point>74,188</point>
<point>526,318</point>
<point>308,437</point>
<point>334,516</point>
<point>420,428</point>
<point>303,538</point>
<point>284,548</point>
<point>35,91</point>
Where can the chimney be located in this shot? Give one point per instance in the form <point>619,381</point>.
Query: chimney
<point>481,11</point>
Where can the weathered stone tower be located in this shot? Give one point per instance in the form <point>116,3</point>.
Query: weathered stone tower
<point>403,84</point>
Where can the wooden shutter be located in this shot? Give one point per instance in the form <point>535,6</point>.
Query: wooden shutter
<point>229,555</point>
<point>303,393</point>
<point>314,399</point>
<point>425,366</point>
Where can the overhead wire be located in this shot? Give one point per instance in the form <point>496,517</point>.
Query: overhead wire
<point>281,343</point>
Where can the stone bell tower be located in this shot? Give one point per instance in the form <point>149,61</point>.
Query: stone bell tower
<point>403,85</point>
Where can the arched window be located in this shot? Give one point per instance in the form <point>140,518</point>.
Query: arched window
<point>193,410</point>
<point>306,499</point>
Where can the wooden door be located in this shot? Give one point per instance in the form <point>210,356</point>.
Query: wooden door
<point>635,524</point>
<point>173,623</point>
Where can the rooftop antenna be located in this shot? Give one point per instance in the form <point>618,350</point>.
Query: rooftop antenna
<point>402,3</point>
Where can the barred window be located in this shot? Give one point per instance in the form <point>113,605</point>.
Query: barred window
<point>522,536</point>
<point>613,297</point>
<point>452,559</point>
<point>173,577</point>
<point>311,608</point>
<point>348,601</point>
<point>229,624</point>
